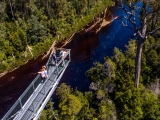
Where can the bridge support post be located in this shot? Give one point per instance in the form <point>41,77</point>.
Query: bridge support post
<point>20,103</point>
<point>33,85</point>
<point>63,62</point>
<point>57,70</point>
<point>44,90</point>
<point>33,107</point>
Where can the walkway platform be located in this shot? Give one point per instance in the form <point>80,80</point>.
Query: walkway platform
<point>31,103</point>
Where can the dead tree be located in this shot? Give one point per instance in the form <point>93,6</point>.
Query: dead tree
<point>148,17</point>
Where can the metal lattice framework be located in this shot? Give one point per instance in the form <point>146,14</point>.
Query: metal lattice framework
<point>33,100</point>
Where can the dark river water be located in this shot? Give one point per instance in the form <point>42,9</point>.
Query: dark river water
<point>85,50</point>
<point>93,48</point>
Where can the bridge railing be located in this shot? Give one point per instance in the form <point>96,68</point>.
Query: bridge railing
<point>22,100</point>
<point>18,105</point>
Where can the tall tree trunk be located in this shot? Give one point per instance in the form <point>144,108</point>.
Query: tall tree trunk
<point>10,3</point>
<point>48,11</point>
<point>138,62</point>
<point>139,53</point>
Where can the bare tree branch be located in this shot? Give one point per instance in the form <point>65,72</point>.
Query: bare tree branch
<point>132,20</point>
<point>153,32</point>
<point>127,26</point>
<point>147,15</point>
<point>139,33</point>
<point>123,8</point>
<point>135,34</point>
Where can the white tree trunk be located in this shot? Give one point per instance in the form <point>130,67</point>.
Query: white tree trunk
<point>138,62</point>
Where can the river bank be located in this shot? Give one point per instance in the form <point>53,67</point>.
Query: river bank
<point>103,19</point>
<point>13,84</point>
<point>86,49</point>
<point>41,29</point>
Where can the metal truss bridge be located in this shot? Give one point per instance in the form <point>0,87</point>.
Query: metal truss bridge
<point>33,100</point>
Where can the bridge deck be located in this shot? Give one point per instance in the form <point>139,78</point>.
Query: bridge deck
<point>33,100</point>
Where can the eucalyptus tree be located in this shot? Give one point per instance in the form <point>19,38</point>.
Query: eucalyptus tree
<point>147,24</point>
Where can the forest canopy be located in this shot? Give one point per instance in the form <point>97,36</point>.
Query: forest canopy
<point>112,93</point>
<point>28,28</point>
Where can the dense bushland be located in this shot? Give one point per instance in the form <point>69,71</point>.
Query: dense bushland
<point>113,94</point>
<point>28,28</point>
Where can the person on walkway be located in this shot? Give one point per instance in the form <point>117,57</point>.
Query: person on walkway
<point>45,71</point>
<point>64,52</point>
<point>41,72</point>
<point>54,58</point>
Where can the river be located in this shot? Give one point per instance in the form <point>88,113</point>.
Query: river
<point>85,50</point>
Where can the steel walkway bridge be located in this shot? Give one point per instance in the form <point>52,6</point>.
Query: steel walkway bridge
<point>33,100</point>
